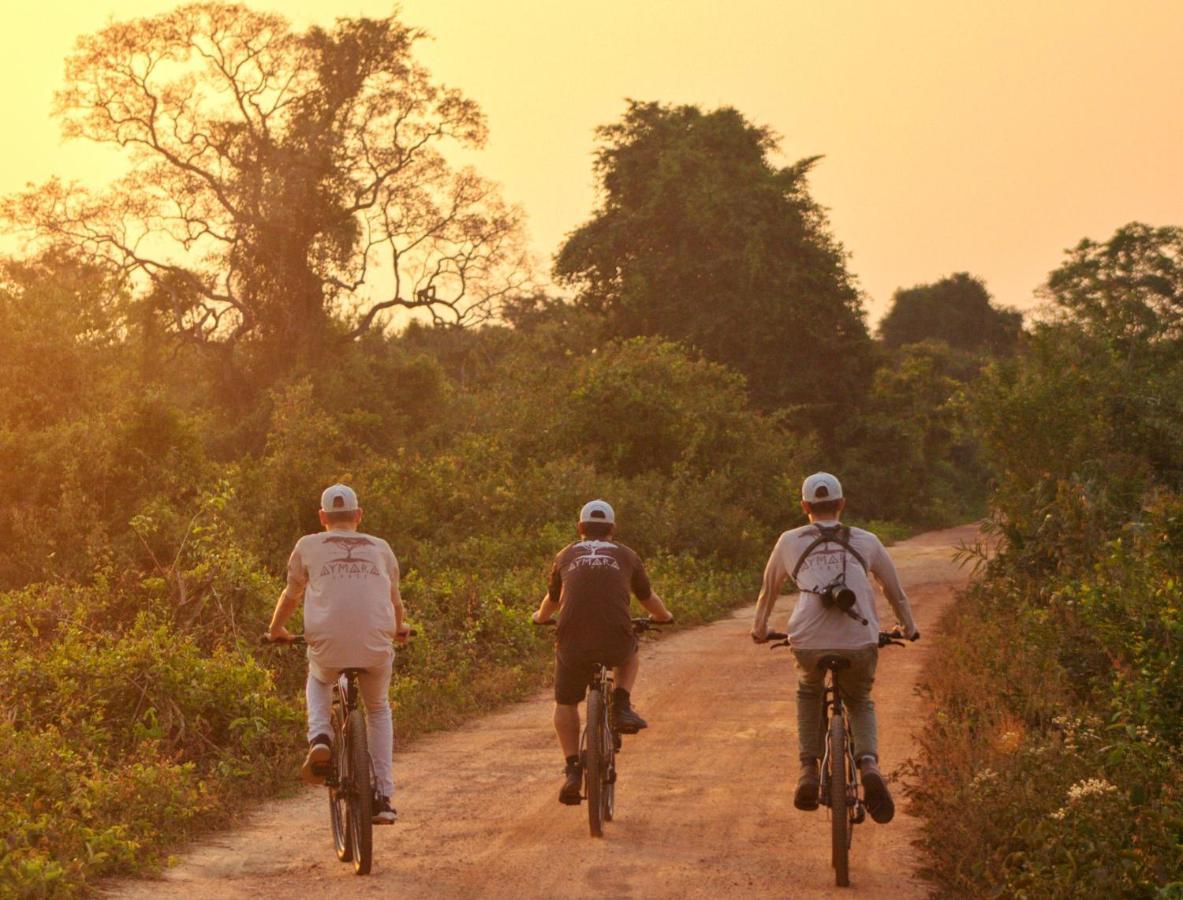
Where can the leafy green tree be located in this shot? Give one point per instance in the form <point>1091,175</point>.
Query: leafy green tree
<point>700,238</point>
<point>956,310</point>
<point>1128,290</point>
<point>915,417</point>
<point>284,188</point>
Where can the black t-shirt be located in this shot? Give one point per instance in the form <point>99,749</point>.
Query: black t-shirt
<point>591,581</point>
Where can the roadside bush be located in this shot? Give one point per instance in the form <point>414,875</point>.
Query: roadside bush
<point>1050,766</point>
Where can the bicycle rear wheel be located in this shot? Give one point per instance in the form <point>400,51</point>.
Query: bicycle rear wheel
<point>361,794</point>
<point>593,763</point>
<point>338,796</point>
<point>609,765</point>
<point>839,808</point>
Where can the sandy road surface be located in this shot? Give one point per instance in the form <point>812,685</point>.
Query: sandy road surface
<point>703,802</point>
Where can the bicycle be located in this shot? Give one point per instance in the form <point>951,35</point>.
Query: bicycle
<point>349,775</point>
<point>600,741</point>
<point>840,789</point>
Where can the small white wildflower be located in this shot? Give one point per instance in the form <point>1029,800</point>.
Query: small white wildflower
<point>1090,787</point>
<point>984,776</point>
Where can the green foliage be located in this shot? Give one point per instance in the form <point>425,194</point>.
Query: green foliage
<point>956,310</point>
<point>700,239</point>
<point>916,416</point>
<point>122,735</point>
<point>1057,692</point>
<point>1129,290</point>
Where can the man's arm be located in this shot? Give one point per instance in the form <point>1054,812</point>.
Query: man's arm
<point>885,573</point>
<point>546,609</point>
<point>774,576</point>
<point>550,600</point>
<point>289,598</point>
<point>656,609</point>
<point>401,629</point>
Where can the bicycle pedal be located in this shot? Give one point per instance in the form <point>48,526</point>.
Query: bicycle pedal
<point>860,813</point>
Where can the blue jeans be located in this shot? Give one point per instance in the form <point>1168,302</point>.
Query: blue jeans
<point>853,683</point>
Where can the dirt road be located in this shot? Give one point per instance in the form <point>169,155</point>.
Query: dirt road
<point>703,802</point>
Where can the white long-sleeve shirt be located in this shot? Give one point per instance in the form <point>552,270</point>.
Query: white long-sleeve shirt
<point>812,626</point>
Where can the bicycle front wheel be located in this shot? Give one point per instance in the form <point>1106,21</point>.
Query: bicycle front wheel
<point>361,794</point>
<point>593,763</point>
<point>839,807</point>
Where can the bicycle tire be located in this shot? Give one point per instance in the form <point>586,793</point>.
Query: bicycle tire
<point>839,808</point>
<point>338,798</point>
<point>361,794</point>
<point>609,766</point>
<point>593,764</point>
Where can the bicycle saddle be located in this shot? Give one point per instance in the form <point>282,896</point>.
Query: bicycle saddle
<point>833,662</point>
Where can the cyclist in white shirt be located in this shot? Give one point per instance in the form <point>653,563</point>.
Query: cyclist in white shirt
<point>352,612</point>
<point>826,554</point>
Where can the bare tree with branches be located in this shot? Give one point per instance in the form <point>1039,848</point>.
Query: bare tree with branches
<point>284,189</point>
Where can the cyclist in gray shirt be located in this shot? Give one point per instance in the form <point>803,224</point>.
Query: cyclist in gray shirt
<point>816,556</point>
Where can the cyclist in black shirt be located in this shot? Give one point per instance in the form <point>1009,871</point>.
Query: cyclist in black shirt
<point>590,584</point>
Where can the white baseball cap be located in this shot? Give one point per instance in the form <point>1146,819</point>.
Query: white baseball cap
<point>820,487</point>
<point>597,511</point>
<point>338,498</point>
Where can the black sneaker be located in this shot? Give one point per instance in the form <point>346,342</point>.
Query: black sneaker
<point>572,791</point>
<point>626,721</point>
<point>807,787</point>
<point>316,763</point>
<point>384,813</point>
<point>878,797</point>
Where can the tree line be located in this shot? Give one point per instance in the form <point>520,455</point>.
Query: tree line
<point>193,353</point>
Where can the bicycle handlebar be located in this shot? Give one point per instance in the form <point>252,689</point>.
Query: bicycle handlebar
<point>893,638</point>
<point>640,623</point>
<point>298,640</point>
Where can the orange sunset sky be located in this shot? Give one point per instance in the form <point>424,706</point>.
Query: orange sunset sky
<point>984,136</point>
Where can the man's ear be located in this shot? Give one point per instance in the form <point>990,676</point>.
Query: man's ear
<point>324,519</point>
<point>805,506</point>
<point>357,518</point>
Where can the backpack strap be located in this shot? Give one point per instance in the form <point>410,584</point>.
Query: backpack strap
<point>835,534</point>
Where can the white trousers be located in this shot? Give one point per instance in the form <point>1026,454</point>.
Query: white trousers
<point>374,685</point>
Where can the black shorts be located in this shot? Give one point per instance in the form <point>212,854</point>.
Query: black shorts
<point>573,670</point>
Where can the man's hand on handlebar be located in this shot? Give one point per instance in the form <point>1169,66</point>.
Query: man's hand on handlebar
<point>403,632</point>
<point>277,634</point>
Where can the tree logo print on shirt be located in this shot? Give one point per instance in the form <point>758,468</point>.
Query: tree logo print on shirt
<point>593,559</point>
<point>349,566</point>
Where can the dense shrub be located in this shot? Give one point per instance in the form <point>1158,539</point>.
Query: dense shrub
<point>1050,767</point>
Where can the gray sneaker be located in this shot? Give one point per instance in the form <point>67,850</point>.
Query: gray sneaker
<point>316,763</point>
<point>383,812</point>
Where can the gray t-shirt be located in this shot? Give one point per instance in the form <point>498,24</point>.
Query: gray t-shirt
<point>345,578</point>
<point>813,626</point>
